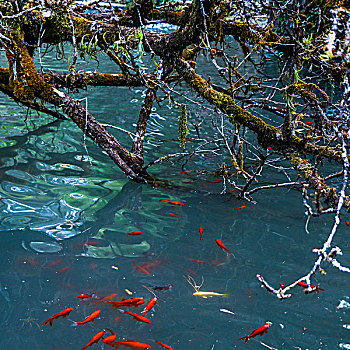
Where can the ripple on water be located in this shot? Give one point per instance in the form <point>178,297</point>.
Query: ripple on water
<point>60,180</point>
<point>57,167</point>
<point>45,247</point>
<point>18,174</point>
<point>58,220</point>
<point>22,191</point>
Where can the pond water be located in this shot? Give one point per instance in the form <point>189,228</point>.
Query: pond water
<point>66,209</point>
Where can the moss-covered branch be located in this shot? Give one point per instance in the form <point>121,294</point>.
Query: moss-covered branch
<point>268,135</point>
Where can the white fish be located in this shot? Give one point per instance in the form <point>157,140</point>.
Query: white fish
<point>209,294</point>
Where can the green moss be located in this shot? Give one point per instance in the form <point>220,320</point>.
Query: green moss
<point>183,127</point>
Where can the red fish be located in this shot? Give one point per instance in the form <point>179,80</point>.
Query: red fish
<point>176,216</point>
<point>94,243</point>
<point>54,263</point>
<point>141,268</point>
<point>347,222</point>
<point>89,318</point>
<point>64,269</point>
<point>186,171</point>
<point>136,316</point>
<point>132,344</point>
<point>149,306</point>
<point>31,262</point>
<point>216,262</point>
<point>316,289</point>
<point>221,245</point>
<point>308,122</point>
<point>93,266</point>
<point>84,296</point>
<point>94,339</point>
<point>260,331</point>
<point>163,345</point>
<point>201,232</point>
<point>214,181</point>
<point>171,202</point>
<point>135,233</point>
<point>168,287</point>
<point>243,206</point>
<point>197,261</point>
<point>127,302</point>
<point>151,265</point>
<point>63,314</point>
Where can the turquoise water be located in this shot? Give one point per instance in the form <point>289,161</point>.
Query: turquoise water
<point>57,195</point>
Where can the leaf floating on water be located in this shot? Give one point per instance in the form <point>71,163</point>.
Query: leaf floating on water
<point>45,247</point>
<point>114,250</point>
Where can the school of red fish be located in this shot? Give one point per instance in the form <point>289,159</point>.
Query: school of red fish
<point>108,336</point>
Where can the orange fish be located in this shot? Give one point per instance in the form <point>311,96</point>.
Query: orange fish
<point>201,232</point>
<point>109,297</point>
<point>214,181</point>
<point>64,269</point>
<point>163,345</point>
<point>84,296</point>
<point>260,331</point>
<point>132,344</point>
<point>110,339</point>
<point>197,261</point>
<point>136,316</point>
<point>142,269</point>
<point>135,233</point>
<point>347,222</point>
<point>221,245</point>
<point>94,339</point>
<point>93,266</point>
<point>243,206</point>
<point>149,306</point>
<point>127,302</point>
<point>316,289</point>
<point>171,202</point>
<point>63,314</point>
<point>176,216</point>
<point>91,318</point>
<point>186,171</point>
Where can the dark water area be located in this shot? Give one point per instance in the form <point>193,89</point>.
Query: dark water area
<point>65,211</point>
